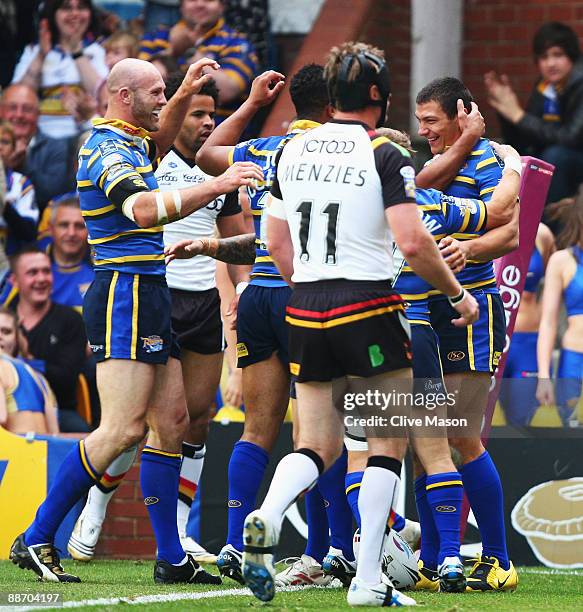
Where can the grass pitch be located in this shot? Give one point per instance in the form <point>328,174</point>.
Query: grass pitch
<point>107,585</point>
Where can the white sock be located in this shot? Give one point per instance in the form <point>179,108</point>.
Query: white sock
<point>377,494</point>
<point>294,474</point>
<point>98,498</point>
<point>190,471</point>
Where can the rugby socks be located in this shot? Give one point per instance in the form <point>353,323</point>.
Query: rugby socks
<point>246,470</point>
<point>100,495</point>
<point>295,474</point>
<point>444,494</point>
<point>484,490</point>
<point>74,478</point>
<point>159,475</point>
<point>190,471</point>
<point>378,494</point>
<point>429,534</point>
<point>318,536</point>
<point>331,485</point>
<point>352,483</point>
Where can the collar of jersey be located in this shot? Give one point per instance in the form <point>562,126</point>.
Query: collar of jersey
<point>302,125</point>
<point>218,26</point>
<point>129,131</point>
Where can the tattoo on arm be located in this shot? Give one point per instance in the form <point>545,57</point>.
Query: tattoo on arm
<point>237,249</point>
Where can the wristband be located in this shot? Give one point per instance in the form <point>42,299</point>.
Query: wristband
<point>456,299</point>
<point>77,55</point>
<point>241,287</point>
<point>511,163</point>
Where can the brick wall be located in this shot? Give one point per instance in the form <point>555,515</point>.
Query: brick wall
<point>498,36</point>
<point>127,532</point>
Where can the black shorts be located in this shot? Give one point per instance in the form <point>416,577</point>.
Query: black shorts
<point>196,319</point>
<point>127,316</point>
<point>477,347</point>
<point>346,328</point>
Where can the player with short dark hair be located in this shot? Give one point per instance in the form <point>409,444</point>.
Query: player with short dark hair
<point>469,356</point>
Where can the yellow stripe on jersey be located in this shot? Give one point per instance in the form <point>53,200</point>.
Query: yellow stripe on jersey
<point>490,330</point>
<point>135,290</point>
<point>430,207</point>
<point>482,216</point>
<point>466,220</point>
<point>128,259</point>
<point>478,152</point>
<point>157,451</point>
<point>377,142</point>
<point>470,329</point>
<point>418,322</point>
<point>342,320</point>
<point>147,230</point>
<point>86,183</point>
<point>236,76</point>
<point>117,181</point>
<point>260,152</point>
<point>486,162</point>
<point>414,296</point>
<point>487,190</point>
<point>356,485</point>
<point>465,179</point>
<point>93,158</point>
<point>97,211</point>
<point>109,312</point>
<point>231,156</point>
<point>263,259</point>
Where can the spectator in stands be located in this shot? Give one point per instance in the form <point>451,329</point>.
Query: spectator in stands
<point>20,214</point>
<point>551,125</point>
<point>26,400</point>
<point>118,46</point>
<point>564,283</point>
<point>55,334</point>
<point>71,266</point>
<point>47,161</point>
<point>67,58</point>
<point>166,64</point>
<point>202,32</point>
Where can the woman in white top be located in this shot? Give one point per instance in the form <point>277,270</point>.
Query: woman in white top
<point>65,66</point>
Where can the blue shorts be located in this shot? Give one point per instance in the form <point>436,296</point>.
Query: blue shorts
<point>127,316</point>
<point>426,363</point>
<point>518,396</point>
<point>261,326</point>
<point>477,347</point>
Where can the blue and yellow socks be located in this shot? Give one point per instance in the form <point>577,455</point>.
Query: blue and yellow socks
<point>159,475</point>
<point>484,490</point>
<point>429,534</point>
<point>246,470</point>
<point>74,478</point>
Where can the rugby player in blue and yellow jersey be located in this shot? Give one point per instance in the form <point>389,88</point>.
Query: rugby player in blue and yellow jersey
<point>127,314</point>
<point>469,356</point>
<point>262,340</point>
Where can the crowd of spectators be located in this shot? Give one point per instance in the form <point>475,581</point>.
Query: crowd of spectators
<point>53,74</point>
<point>54,83</point>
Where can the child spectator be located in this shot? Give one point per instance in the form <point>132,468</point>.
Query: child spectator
<point>118,46</point>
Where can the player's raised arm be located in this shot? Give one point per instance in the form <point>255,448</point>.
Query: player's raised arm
<point>173,114</point>
<point>215,156</point>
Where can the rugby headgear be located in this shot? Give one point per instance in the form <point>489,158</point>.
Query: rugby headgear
<point>352,95</point>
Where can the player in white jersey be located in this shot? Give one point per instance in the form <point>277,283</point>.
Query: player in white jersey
<point>196,319</point>
<point>339,198</point>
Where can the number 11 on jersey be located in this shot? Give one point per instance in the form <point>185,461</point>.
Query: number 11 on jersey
<point>332,210</point>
